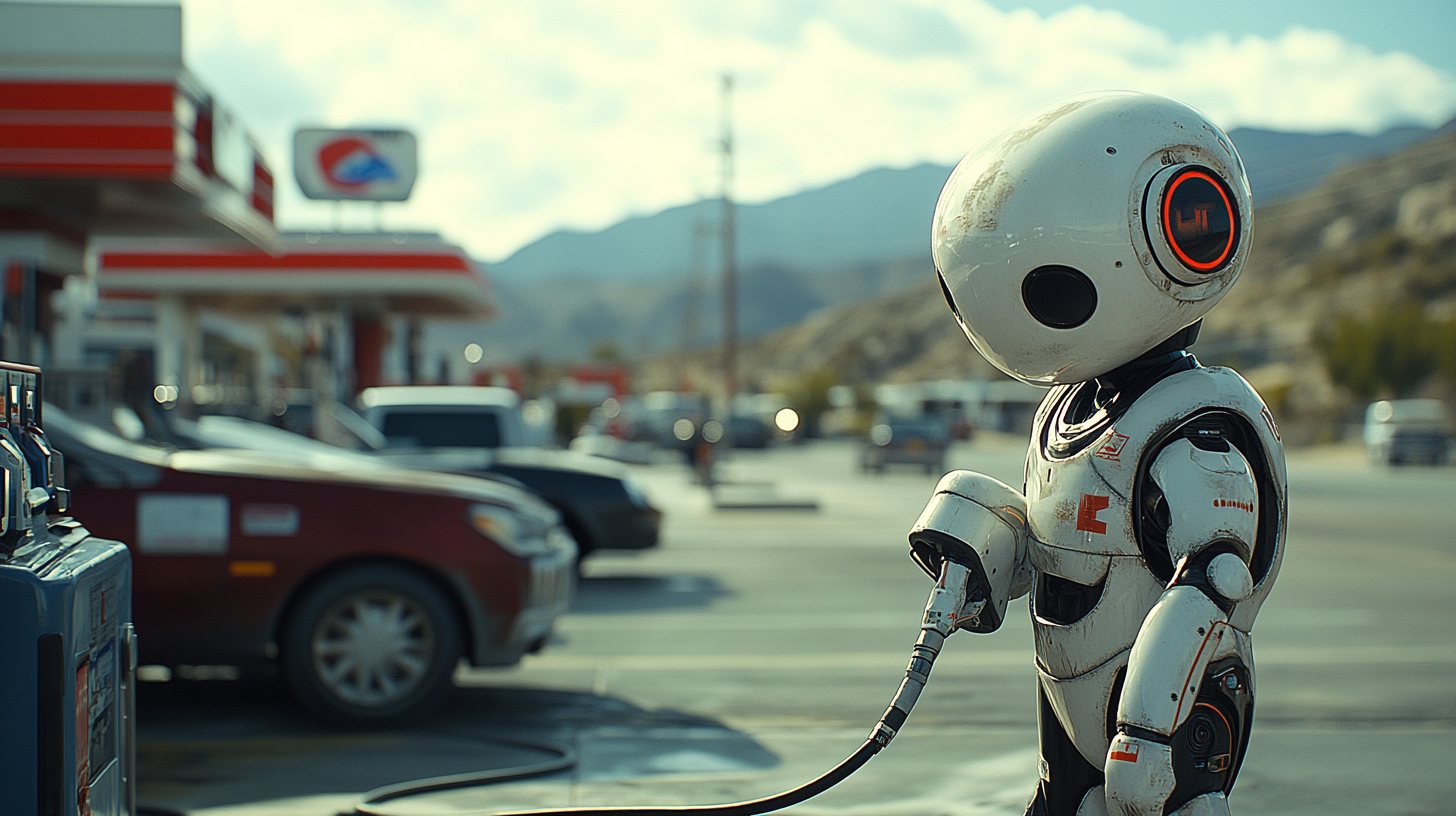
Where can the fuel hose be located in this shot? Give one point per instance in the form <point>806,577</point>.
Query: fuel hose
<point>941,611</point>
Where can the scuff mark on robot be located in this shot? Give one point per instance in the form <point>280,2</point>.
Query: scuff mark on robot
<point>1043,122</point>
<point>986,196</point>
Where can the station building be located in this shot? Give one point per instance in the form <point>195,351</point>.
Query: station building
<point>140,263</point>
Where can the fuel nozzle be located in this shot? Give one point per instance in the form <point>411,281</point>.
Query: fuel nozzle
<point>943,609</point>
<point>947,605</point>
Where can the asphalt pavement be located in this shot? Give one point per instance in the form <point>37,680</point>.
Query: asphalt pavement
<point>755,648</point>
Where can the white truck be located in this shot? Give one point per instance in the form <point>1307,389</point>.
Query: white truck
<point>1407,431</point>
<point>480,430</point>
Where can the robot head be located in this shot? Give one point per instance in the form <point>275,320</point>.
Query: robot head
<point>1089,232</point>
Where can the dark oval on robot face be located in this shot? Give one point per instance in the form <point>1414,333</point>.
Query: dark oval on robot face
<point>1059,296</point>
<point>1200,222</point>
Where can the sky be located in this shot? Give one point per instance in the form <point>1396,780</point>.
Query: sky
<point>539,116</point>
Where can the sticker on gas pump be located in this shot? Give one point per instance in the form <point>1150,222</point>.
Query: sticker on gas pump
<point>83,726</point>
<point>103,708</point>
<point>103,609</point>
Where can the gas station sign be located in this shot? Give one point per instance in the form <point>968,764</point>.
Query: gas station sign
<point>362,165</point>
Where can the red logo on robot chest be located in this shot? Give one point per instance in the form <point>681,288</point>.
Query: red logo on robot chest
<point>1087,511</point>
<point>1112,448</point>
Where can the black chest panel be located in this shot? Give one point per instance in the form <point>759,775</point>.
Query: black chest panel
<point>1064,602</point>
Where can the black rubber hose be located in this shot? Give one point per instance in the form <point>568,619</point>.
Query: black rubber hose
<point>565,759</point>
<point>885,731</point>
<point>927,648</point>
<point>750,808</point>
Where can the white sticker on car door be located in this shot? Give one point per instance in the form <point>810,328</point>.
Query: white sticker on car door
<point>269,519</point>
<point>182,524</point>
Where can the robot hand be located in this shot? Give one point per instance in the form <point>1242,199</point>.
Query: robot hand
<point>978,523</point>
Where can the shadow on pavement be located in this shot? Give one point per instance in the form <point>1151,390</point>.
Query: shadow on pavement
<point>642,593</point>
<point>211,744</point>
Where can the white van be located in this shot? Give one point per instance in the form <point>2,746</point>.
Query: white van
<point>1406,431</point>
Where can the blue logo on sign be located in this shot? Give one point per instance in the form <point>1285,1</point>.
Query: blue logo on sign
<point>352,163</point>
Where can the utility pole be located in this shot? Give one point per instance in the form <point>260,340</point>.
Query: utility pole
<point>730,272</point>
<point>699,265</point>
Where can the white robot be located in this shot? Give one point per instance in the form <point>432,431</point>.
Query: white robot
<point>1079,250</point>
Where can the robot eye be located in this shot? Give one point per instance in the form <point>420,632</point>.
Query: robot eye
<point>1059,296</point>
<point>1200,221</point>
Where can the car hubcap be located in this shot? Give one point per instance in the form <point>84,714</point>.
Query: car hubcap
<point>372,650</point>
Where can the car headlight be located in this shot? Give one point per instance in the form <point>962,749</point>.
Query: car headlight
<point>517,534</point>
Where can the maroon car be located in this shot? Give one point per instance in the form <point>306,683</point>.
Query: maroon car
<point>364,586</point>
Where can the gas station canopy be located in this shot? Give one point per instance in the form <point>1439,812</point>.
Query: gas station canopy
<point>104,132</point>
<point>407,274</point>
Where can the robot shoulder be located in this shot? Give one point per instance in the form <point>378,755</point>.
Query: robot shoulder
<point>1124,453</point>
<point>1209,497</point>
<point>1179,413</point>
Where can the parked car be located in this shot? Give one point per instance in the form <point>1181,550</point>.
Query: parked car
<point>669,419</point>
<point>920,440</point>
<point>364,585</point>
<point>748,431</point>
<point>477,430</point>
<point>1407,431</point>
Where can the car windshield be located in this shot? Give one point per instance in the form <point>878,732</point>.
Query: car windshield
<point>95,456</point>
<point>442,429</point>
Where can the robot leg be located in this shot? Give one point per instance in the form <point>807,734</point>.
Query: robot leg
<point>1067,780</point>
<point>1206,753</point>
<point>1184,714</point>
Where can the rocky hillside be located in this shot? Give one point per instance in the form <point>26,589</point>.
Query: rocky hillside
<point>632,285</point>
<point>1375,234</point>
<point>1378,232</point>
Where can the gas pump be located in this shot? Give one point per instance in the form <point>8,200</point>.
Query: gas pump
<point>67,649</point>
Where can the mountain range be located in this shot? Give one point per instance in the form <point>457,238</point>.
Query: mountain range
<point>1375,237</point>
<point>652,283</point>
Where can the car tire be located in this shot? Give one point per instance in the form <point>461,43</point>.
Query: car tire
<point>370,645</point>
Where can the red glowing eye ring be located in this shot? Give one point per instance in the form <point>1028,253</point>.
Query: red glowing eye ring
<point>1228,206</point>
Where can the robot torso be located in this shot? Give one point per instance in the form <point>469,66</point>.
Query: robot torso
<point>1097,564</point>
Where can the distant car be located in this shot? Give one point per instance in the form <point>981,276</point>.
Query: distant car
<point>1420,446</point>
<point>479,430</point>
<point>906,440</point>
<point>1408,431</point>
<point>747,431</point>
<point>364,585</point>
<point>670,419</point>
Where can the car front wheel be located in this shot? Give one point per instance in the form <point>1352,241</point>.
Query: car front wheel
<point>371,645</point>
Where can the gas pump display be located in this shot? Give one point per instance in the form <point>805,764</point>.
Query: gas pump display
<point>67,651</point>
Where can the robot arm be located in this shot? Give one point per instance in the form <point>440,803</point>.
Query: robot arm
<point>1212,512</point>
<point>979,523</point>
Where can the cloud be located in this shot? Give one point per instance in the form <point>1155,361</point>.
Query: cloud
<point>577,113</point>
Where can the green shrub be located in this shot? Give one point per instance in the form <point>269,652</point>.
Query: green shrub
<point>1390,352</point>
